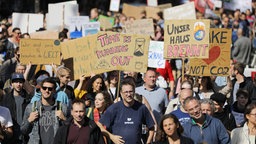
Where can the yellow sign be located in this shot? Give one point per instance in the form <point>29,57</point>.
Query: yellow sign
<point>39,51</point>
<point>218,62</point>
<point>186,39</point>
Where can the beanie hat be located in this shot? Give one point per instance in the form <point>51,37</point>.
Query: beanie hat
<point>219,98</point>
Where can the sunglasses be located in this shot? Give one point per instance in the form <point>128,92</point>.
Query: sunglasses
<point>49,88</point>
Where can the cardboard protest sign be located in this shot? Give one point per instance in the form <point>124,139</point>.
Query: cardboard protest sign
<point>156,54</point>
<point>117,51</point>
<point>141,26</point>
<point>39,51</point>
<point>243,5</point>
<point>186,39</point>
<point>90,28</point>
<point>75,25</point>
<point>152,11</point>
<point>27,22</point>
<point>106,22</point>
<point>132,11</point>
<point>185,11</point>
<point>79,54</point>
<point>114,5</point>
<point>218,62</point>
<point>45,35</point>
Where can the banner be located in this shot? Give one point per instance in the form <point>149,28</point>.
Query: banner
<point>39,51</point>
<point>156,54</point>
<point>218,63</point>
<point>186,39</point>
<point>185,11</point>
<point>152,3</point>
<point>141,26</point>
<point>117,51</point>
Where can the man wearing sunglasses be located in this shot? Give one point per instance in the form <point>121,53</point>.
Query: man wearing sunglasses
<point>43,118</point>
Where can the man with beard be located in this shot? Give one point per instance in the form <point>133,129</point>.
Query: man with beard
<point>240,82</point>
<point>203,128</point>
<point>42,118</point>
<point>16,101</point>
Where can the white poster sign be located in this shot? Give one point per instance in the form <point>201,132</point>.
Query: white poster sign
<point>156,54</point>
<point>185,11</point>
<point>114,5</point>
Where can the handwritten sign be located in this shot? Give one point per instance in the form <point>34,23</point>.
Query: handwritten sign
<point>79,51</point>
<point>186,38</point>
<point>106,22</point>
<point>142,26</point>
<point>121,51</point>
<point>39,51</point>
<point>114,5</point>
<point>218,62</point>
<point>185,11</point>
<point>156,54</point>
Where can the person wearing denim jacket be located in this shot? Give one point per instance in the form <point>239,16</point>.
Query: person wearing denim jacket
<point>35,114</point>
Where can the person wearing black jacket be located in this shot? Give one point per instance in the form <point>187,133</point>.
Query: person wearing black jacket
<point>79,129</point>
<point>223,113</point>
<point>16,101</point>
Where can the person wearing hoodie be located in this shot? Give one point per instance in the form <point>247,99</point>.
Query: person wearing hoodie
<point>59,95</point>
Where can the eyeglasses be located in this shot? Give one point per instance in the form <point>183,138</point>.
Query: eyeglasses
<point>49,88</point>
<point>19,33</point>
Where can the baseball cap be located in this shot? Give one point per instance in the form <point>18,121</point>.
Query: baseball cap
<point>17,76</point>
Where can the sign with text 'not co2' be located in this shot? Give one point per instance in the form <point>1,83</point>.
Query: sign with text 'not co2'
<point>39,51</point>
<point>218,62</point>
<point>186,39</point>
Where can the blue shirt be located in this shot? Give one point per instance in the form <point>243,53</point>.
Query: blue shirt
<point>127,121</point>
<point>182,117</point>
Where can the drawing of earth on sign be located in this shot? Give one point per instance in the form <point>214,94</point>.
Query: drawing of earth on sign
<point>199,31</point>
<point>103,64</point>
<point>139,47</point>
<point>214,54</point>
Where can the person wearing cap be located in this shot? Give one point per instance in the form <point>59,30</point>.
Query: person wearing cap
<point>223,113</point>
<point>16,101</point>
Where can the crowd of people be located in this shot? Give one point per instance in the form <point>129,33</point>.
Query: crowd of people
<point>38,106</point>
